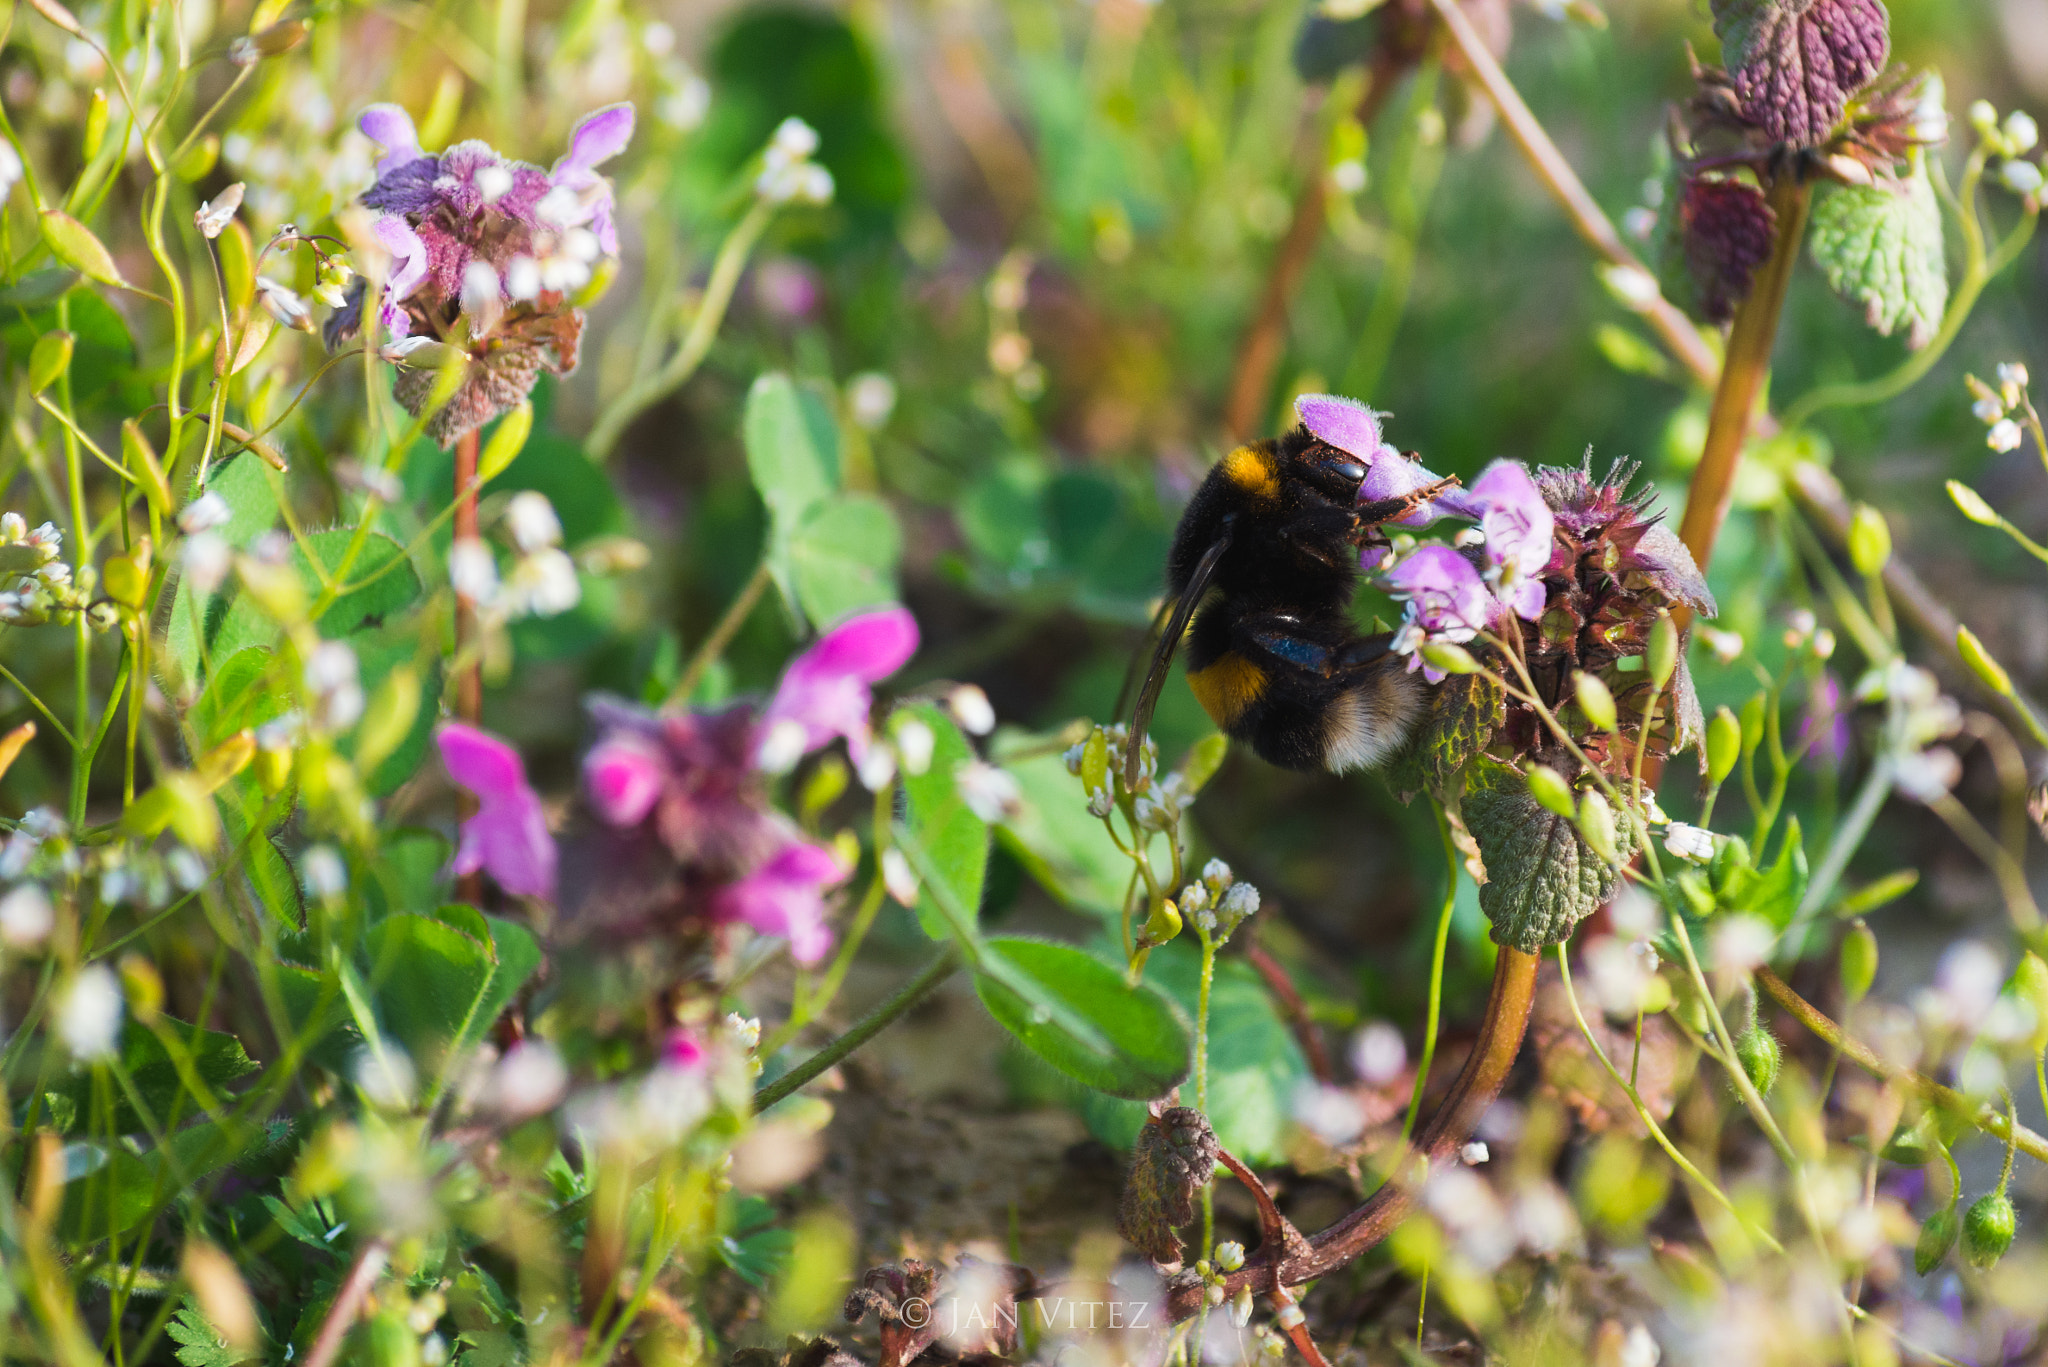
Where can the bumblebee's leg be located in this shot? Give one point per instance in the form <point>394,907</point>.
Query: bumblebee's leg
<point>1391,509</point>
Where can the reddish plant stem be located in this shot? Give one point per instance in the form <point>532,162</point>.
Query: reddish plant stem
<point>1293,1008</point>
<point>1485,1072</point>
<point>1265,341</point>
<point>348,1301</point>
<point>1743,371</point>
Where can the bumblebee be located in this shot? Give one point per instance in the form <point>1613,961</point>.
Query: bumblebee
<point>1264,562</point>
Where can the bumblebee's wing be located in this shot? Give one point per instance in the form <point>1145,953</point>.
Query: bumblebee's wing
<point>1162,653</point>
<point>1123,693</point>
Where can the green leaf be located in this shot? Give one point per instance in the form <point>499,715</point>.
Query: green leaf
<point>753,1246</point>
<point>298,1226</point>
<point>953,839</point>
<point>1078,1014</point>
<point>843,557</point>
<point>238,695</point>
<point>793,455</point>
<point>244,483</point>
<point>440,982</point>
<point>199,1343</point>
<point>269,874</point>
<point>214,1057</point>
<point>246,624</point>
<point>1542,879</point>
<point>1458,721</point>
<point>1775,894</point>
<point>124,1188</point>
<point>1880,246</point>
<point>1255,1063</point>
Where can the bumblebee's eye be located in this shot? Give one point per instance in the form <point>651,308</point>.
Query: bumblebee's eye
<point>1349,470</point>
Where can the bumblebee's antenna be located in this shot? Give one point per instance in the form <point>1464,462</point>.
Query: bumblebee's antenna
<point>1162,654</point>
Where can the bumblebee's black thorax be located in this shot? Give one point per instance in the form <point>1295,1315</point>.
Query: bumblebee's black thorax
<point>1288,507</point>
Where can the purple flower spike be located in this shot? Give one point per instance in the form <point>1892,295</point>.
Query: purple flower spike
<point>785,897</point>
<point>1343,423</point>
<point>1447,601</point>
<point>1518,526</point>
<point>825,691</point>
<point>508,837</point>
<point>391,128</point>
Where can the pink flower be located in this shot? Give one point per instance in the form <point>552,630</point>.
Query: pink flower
<point>601,136</point>
<point>826,691</point>
<point>1354,429</point>
<point>785,897</point>
<point>1519,528</point>
<point>391,128</point>
<point>624,776</point>
<point>682,1050</point>
<point>508,837</point>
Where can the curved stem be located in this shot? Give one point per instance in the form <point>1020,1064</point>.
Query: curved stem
<point>909,995</point>
<point>1436,975</point>
<point>1486,1071</point>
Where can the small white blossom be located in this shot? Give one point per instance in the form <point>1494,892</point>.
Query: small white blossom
<point>1689,842</point>
<point>2013,374</point>
<point>324,872</point>
<point>186,868</point>
<point>1378,1053</point>
<point>204,513</point>
<point>2003,436</point>
<point>1229,1255</point>
<point>991,793</point>
<point>386,1077</point>
<point>1927,775</point>
<point>206,559</point>
<point>332,679</point>
<point>283,304</point>
<point>1241,901</point>
<point>2020,177</point>
<point>1217,874</point>
<point>10,168</point>
<point>875,767</point>
<point>914,741</point>
<point>782,747</point>
<point>26,917</point>
<point>544,583</point>
<point>1474,1153</point>
<point>1331,1114</point>
<point>89,1016</point>
<point>794,139</point>
<point>214,216</point>
<point>970,707</point>
<point>492,182</point>
<point>1741,942</point>
<point>522,277</point>
<point>871,398</point>
<point>473,570</point>
<point>530,1079</point>
<point>2021,133</point>
<point>531,520</point>
<point>684,108</point>
<point>898,877</point>
<point>1988,409</point>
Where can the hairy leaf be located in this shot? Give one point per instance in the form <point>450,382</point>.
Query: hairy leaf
<point>1797,62</point>
<point>1081,1016</point>
<point>1880,246</point>
<point>950,835</point>
<point>1456,724</point>
<point>1541,878</point>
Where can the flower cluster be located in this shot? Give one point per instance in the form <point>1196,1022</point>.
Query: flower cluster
<point>39,585</point>
<point>2010,141</point>
<point>2005,410</point>
<point>488,255</point>
<point>543,580</point>
<point>691,784</point>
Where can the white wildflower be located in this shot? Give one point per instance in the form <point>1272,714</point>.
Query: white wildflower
<point>332,679</point>
<point>871,398</point>
<point>1689,842</point>
<point>914,742</point>
<point>206,559</point>
<point>530,1079</point>
<point>531,520</point>
<point>324,872</point>
<point>214,216</point>
<point>1378,1054</point>
<point>782,747</point>
<point>991,793</point>
<point>2003,436</point>
<point>898,877</point>
<point>473,570</point>
<point>204,513</point>
<point>283,304</point>
<point>26,917</point>
<point>970,707</point>
<point>544,583</point>
<point>89,1016</point>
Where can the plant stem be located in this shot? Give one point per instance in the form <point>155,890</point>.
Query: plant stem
<point>1743,372</point>
<point>1678,334</point>
<point>1436,976</point>
<point>644,392</point>
<point>1202,1072</point>
<point>735,617</point>
<point>348,1301</point>
<point>910,994</point>
<point>1486,1071</point>
<point>1986,1118</point>
<point>469,683</point>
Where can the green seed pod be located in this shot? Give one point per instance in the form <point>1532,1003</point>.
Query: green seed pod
<point>1756,1049</point>
<point>1937,1236</point>
<point>1163,924</point>
<point>1981,664</point>
<point>1753,720</point>
<point>1972,504</point>
<point>1663,656</point>
<point>1595,701</point>
<point>1859,962</point>
<point>1596,824</point>
<point>49,358</point>
<point>507,440</point>
<point>1724,745</point>
<point>1988,1228</point>
<point>1550,790</point>
<point>1870,540</point>
<point>1095,761</point>
<point>2030,983</point>
<point>1699,896</point>
<point>96,115</point>
<point>1203,759</point>
<point>1451,659</point>
<point>1912,1146</point>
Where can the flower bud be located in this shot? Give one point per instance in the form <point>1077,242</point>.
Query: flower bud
<point>1450,658</point>
<point>1724,745</point>
<point>1756,1049</point>
<point>2030,983</point>
<point>1663,656</point>
<point>1753,719</point>
<point>1937,1236</point>
<point>1858,966</point>
<point>48,359</point>
<point>1163,924</point>
<point>1988,1228</point>
<point>1595,701</point>
<point>1870,540</point>
<point>1972,504</point>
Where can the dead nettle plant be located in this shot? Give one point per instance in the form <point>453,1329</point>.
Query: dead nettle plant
<point>1558,698</point>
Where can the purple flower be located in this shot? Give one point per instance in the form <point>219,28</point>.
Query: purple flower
<point>826,692</point>
<point>1447,601</point>
<point>1344,423</point>
<point>682,1050</point>
<point>1519,529</point>
<point>1825,727</point>
<point>624,777</point>
<point>785,897</point>
<point>690,774</point>
<point>408,269</point>
<point>601,136</point>
<point>391,128</point>
<point>508,837</point>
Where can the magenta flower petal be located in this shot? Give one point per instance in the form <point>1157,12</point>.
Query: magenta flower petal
<point>683,1050</point>
<point>1517,522</point>
<point>508,837</point>
<point>602,135</point>
<point>785,897</point>
<point>1446,596</point>
<point>390,127</point>
<point>1343,423</point>
<point>624,778</point>
<point>1394,475</point>
<point>825,690</point>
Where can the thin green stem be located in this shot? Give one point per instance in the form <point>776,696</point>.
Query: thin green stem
<point>1436,975</point>
<point>728,626</point>
<point>910,994</point>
